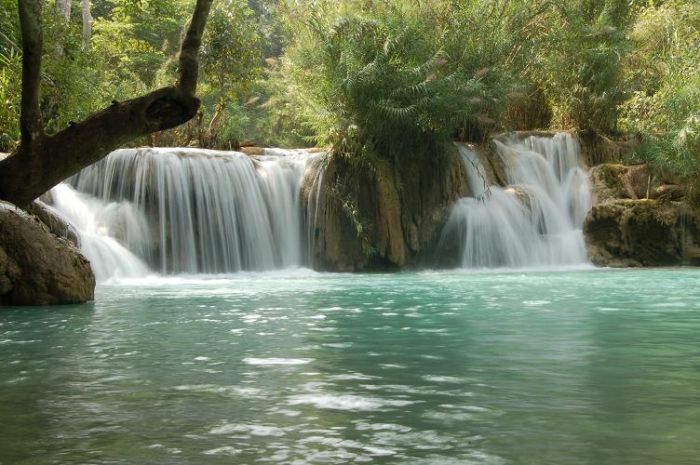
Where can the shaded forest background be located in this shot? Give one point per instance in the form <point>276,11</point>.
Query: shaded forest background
<point>377,77</point>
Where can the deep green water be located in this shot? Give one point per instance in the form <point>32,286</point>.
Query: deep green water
<point>585,367</point>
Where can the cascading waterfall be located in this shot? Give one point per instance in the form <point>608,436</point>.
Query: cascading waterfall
<point>189,211</point>
<point>537,219</point>
<point>182,210</point>
<point>95,222</point>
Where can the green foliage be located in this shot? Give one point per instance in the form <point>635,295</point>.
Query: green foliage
<point>391,76</point>
<point>665,106</point>
<point>10,73</point>
<point>231,50</point>
<point>384,78</point>
<point>579,62</point>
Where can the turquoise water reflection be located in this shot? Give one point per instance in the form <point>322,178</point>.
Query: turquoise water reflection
<point>579,367</point>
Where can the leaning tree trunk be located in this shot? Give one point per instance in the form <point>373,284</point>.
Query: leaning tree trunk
<point>42,161</point>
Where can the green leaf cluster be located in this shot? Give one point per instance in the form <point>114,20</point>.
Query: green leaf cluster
<point>665,71</point>
<point>393,75</point>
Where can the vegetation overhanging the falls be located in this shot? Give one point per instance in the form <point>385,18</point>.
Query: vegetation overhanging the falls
<point>366,76</point>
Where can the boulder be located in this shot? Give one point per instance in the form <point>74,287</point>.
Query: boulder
<point>597,148</point>
<point>630,232</point>
<point>639,219</point>
<point>57,225</point>
<point>253,151</point>
<point>37,267</point>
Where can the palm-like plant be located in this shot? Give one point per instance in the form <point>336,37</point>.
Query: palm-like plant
<point>396,79</point>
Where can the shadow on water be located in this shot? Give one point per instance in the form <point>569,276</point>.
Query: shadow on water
<point>37,349</point>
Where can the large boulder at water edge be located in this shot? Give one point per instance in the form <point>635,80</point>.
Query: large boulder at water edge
<point>57,225</point>
<point>638,219</point>
<point>37,267</point>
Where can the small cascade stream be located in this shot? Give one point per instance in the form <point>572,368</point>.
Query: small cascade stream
<point>141,211</point>
<point>536,220</point>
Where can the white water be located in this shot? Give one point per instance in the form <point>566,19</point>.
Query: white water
<point>188,211</point>
<point>97,223</point>
<point>537,219</point>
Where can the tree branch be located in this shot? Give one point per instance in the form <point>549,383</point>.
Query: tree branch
<point>189,51</point>
<point>31,125</point>
<point>27,174</point>
<point>43,161</point>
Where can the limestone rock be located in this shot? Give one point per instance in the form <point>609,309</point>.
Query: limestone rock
<point>627,232</point>
<point>638,219</point>
<point>611,181</point>
<point>57,225</point>
<point>373,215</point>
<point>597,148</point>
<point>252,150</point>
<point>37,267</point>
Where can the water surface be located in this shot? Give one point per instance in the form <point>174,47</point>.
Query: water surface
<point>579,367</point>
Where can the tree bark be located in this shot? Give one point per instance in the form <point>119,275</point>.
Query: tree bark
<point>87,23</point>
<point>42,161</point>
<point>31,125</point>
<point>63,9</point>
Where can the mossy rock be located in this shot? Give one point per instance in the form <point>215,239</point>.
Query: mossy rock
<point>627,232</point>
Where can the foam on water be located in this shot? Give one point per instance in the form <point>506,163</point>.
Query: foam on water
<point>348,402</point>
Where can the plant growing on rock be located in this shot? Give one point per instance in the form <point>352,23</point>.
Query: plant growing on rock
<point>392,77</point>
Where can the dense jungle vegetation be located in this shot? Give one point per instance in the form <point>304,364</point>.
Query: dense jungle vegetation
<point>374,77</point>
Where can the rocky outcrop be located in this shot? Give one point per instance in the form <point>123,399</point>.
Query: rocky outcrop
<point>37,267</point>
<point>378,215</point>
<point>624,233</point>
<point>597,148</point>
<point>640,219</point>
<point>57,225</point>
<point>612,181</point>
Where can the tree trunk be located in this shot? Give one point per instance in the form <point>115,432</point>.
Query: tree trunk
<point>63,9</point>
<point>87,23</point>
<point>42,161</point>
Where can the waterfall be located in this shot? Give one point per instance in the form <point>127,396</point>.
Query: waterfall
<point>182,210</point>
<point>536,220</point>
<point>185,210</point>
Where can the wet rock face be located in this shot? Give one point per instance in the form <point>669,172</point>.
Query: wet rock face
<point>37,267</point>
<point>639,220</point>
<point>377,216</point>
<point>623,233</point>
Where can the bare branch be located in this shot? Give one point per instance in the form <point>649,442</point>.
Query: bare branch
<point>189,51</point>
<point>31,125</point>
